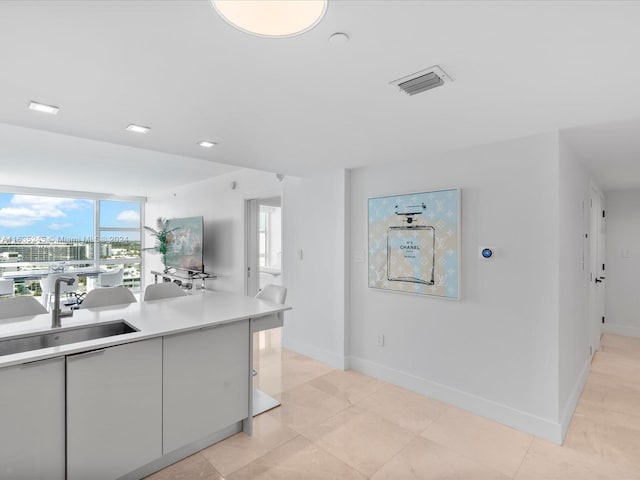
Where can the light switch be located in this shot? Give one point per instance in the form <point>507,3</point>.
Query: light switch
<point>358,256</point>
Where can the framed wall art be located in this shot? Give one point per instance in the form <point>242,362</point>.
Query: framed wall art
<point>414,243</point>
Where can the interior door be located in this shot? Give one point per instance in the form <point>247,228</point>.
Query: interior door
<point>596,269</point>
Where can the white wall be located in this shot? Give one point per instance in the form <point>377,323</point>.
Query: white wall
<point>494,352</point>
<point>573,282</point>
<point>313,222</point>
<point>511,349</point>
<point>622,223</point>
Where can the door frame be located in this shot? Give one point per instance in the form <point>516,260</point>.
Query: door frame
<point>251,217</point>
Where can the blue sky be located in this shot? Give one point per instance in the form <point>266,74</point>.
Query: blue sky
<point>39,216</point>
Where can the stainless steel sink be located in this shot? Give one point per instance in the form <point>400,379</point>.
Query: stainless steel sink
<point>36,341</point>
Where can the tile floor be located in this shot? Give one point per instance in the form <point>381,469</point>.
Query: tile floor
<point>344,425</point>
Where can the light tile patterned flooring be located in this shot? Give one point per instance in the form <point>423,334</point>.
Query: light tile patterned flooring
<point>344,425</point>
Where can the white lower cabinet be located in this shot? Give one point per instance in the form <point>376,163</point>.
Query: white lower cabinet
<point>114,410</point>
<point>205,382</point>
<point>32,421</point>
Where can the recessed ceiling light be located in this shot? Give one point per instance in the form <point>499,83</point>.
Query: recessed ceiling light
<point>272,18</point>
<point>138,128</point>
<point>41,107</point>
<point>207,144</point>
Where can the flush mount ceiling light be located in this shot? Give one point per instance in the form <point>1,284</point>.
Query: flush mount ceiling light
<point>272,18</point>
<point>207,144</point>
<point>41,107</point>
<point>138,128</point>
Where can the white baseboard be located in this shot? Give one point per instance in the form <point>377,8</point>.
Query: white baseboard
<point>618,329</point>
<point>330,358</point>
<point>526,422</point>
<point>572,401</point>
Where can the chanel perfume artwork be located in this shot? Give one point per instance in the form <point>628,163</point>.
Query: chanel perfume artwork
<point>414,242</point>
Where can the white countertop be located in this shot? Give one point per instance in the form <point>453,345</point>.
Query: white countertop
<point>153,318</point>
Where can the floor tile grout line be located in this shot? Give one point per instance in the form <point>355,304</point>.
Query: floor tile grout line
<point>524,457</point>
<point>354,468</point>
<point>415,437</point>
<point>475,460</point>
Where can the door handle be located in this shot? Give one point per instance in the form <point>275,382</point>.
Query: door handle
<point>599,280</point>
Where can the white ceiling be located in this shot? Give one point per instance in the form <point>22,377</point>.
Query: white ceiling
<point>610,151</point>
<point>301,105</point>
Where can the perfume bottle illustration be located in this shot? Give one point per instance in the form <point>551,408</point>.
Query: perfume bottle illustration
<point>411,247</point>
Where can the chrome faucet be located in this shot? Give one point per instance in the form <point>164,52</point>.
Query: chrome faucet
<point>56,314</point>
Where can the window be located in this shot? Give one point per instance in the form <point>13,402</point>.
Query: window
<point>119,237</point>
<point>46,231</point>
<point>263,239</point>
<point>269,237</point>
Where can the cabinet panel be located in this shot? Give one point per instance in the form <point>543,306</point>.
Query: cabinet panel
<point>32,421</point>
<point>205,382</point>
<point>114,410</point>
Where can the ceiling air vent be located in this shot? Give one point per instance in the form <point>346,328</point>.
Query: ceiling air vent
<point>422,81</point>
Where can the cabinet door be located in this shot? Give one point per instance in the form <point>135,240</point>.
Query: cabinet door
<point>205,382</point>
<point>32,420</point>
<point>114,410</point>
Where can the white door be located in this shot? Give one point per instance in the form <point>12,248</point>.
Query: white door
<point>596,269</point>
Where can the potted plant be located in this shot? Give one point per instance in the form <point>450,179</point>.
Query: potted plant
<point>162,237</point>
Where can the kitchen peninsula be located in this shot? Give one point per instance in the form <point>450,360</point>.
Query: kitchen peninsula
<point>126,405</point>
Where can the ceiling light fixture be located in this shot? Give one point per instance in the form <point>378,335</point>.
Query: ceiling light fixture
<point>41,107</point>
<point>207,144</point>
<point>137,128</point>
<point>272,18</point>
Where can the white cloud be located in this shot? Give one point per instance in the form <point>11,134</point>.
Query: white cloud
<point>25,210</point>
<point>17,217</point>
<point>129,216</point>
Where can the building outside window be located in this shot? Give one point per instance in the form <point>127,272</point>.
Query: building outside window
<point>42,232</point>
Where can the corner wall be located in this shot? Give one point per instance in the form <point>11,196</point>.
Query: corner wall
<point>573,346</point>
<point>316,237</point>
<point>494,352</point>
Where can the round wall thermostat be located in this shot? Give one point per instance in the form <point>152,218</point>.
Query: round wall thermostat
<point>486,253</point>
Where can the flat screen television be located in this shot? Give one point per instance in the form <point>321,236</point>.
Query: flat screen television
<point>184,243</point>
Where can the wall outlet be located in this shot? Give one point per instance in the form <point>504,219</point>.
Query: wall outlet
<point>358,256</point>
<point>380,340</point>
